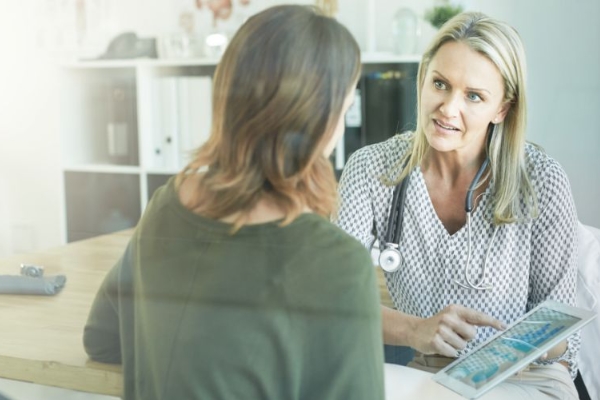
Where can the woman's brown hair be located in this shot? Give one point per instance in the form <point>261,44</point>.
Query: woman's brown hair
<point>277,96</point>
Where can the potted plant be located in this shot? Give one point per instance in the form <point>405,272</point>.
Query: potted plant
<point>438,15</point>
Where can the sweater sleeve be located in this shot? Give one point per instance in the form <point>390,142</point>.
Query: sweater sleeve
<point>554,249</point>
<point>101,335</point>
<point>345,360</point>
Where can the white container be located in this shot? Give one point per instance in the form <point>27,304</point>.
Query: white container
<point>405,31</point>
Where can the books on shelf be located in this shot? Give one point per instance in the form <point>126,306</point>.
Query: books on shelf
<point>195,94</point>
<point>390,104</point>
<point>181,116</point>
<point>352,132</point>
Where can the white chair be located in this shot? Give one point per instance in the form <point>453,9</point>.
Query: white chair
<point>588,296</point>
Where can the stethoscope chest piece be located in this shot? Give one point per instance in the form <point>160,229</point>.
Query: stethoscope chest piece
<point>390,259</point>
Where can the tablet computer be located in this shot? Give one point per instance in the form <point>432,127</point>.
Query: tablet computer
<point>511,350</point>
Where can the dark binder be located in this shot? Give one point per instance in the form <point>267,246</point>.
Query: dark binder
<point>390,102</point>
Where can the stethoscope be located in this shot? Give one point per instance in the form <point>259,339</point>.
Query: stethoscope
<point>390,257</point>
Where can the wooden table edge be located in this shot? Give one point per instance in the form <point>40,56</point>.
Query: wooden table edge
<point>104,379</point>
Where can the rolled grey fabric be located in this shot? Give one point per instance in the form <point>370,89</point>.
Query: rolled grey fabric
<point>17,284</point>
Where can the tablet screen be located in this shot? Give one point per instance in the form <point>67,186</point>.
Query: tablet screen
<point>513,345</point>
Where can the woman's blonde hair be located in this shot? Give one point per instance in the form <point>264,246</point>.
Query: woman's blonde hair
<point>501,44</point>
<point>278,94</point>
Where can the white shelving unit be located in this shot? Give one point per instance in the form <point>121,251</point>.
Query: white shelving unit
<point>120,138</point>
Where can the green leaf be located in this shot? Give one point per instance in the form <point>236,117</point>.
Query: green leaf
<point>437,16</point>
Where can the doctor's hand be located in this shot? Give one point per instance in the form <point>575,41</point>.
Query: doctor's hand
<point>449,331</point>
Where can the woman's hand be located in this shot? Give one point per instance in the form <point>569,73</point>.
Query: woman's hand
<point>449,331</point>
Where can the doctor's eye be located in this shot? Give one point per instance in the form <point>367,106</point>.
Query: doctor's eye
<point>474,97</point>
<point>439,84</point>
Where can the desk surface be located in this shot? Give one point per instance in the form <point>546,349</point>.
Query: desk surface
<point>404,383</point>
<point>41,336</point>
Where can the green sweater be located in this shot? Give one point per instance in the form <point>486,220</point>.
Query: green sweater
<point>193,312</point>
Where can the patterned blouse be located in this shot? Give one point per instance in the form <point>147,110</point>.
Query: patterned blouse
<point>528,262</point>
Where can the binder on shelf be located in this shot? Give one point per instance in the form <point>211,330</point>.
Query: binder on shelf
<point>390,104</point>
<point>195,113</point>
<point>117,137</point>
<point>171,123</point>
<point>353,136</point>
<point>182,119</point>
<point>121,123</point>
<point>165,124</point>
<point>352,139</point>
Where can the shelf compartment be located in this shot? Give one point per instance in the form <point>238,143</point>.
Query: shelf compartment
<point>154,181</point>
<point>106,168</point>
<point>99,108</point>
<point>100,203</point>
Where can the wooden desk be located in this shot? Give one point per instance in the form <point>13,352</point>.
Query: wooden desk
<point>386,300</point>
<point>41,336</point>
<point>404,383</point>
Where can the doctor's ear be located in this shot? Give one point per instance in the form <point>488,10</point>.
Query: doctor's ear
<point>502,113</point>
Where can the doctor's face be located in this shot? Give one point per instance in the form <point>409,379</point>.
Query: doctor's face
<point>462,93</point>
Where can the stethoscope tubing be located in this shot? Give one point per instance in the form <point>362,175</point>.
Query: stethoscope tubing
<point>391,258</point>
<point>481,285</point>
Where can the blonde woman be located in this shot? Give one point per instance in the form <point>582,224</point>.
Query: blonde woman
<point>235,285</point>
<point>489,225</point>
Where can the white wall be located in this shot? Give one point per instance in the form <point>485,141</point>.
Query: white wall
<point>30,215</point>
<point>561,41</point>
<point>356,15</point>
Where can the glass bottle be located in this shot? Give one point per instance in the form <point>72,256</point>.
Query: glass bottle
<point>405,31</point>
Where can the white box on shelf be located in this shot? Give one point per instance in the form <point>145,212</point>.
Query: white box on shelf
<point>195,114</point>
<point>165,124</point>
<point>181,119</point>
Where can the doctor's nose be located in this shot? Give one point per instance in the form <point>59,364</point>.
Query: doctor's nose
<point>450,106</point>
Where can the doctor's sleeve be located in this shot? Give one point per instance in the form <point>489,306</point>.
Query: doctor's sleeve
<point>355,214</point>
<point>554,241</point>
<point>553,270</point>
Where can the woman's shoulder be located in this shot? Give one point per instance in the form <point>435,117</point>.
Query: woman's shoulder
<point>326,249</point>
<point>164,196</point>
<point>327,236</point>
<point>381,157</point>
<point>391,148</point>
<point>329,244</point>
<point>548,178</point>
<point>542,168</point>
